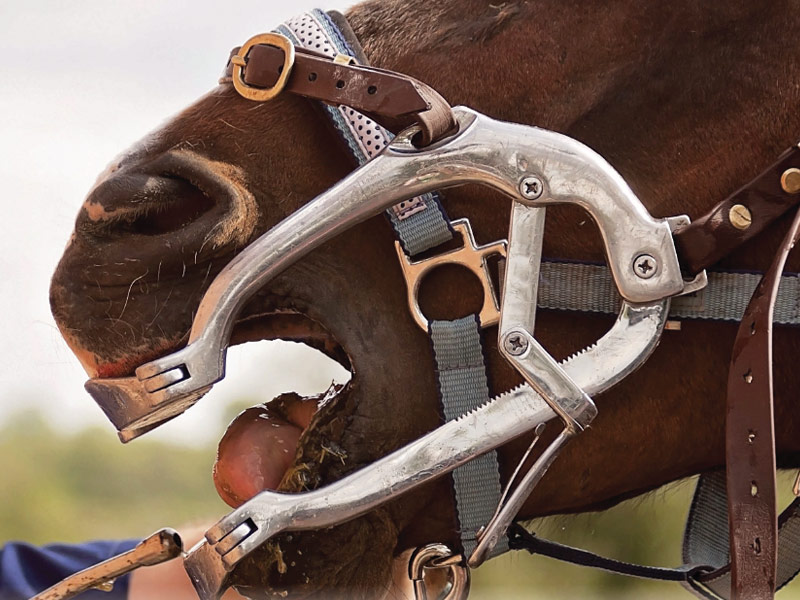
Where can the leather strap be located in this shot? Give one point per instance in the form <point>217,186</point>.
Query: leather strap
<point>711,237</point>
<point>750,439</point>
<point>394,100</point>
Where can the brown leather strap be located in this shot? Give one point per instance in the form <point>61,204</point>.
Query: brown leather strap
<point>750,441</point>
<point>394,100</point>
<point>714,235</point>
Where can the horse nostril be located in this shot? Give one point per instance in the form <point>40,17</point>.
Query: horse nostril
<point>143,205</point>
<point>186,205</point>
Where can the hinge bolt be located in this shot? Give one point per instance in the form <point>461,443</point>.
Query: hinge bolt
<point>531,187</point>
<point>645,266</point>
<point>515,344</point>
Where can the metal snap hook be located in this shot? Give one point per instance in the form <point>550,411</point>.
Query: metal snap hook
<point>439,556</point>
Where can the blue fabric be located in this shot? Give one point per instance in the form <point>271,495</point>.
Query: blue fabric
<point>26,570</point>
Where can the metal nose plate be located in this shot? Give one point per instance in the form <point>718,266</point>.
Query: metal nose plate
<point>134,410</point>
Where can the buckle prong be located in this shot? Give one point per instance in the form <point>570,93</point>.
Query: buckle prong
<point>239,61</point>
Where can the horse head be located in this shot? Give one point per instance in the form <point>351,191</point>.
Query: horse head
<point>170,213</point>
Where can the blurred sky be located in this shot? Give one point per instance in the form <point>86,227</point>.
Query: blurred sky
<point>80,82</point>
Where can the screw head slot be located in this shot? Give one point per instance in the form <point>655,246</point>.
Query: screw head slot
<point>740,217</point>
<point>531,187</point>
<point>515,344</point>
<point>645,266</point>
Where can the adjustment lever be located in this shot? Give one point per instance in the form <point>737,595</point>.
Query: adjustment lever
<point>539,369</point>
<point>160,547</point>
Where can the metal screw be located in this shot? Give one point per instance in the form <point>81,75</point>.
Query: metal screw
<point>740,216</point>
<point>790,181</point>
<point>515,344</point>
<point>531,187</point>
<point>645,266</point>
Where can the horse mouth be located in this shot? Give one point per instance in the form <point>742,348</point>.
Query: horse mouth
<point>285,444</point>
<point>271,435</point>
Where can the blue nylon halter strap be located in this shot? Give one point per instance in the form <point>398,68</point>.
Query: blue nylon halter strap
<point>419,224</point>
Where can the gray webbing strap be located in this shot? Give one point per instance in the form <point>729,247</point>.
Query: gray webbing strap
<point>461,370</point>
<point>590,288</point>
<point>705,540</point>
<point>424,229</point>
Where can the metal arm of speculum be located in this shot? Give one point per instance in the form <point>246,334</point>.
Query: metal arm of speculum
<point>536,168</point>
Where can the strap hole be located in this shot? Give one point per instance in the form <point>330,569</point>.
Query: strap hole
<point>753,489</point>
<point>372,90</point>
<point>753,328</point>
<point>340,84</point>
<point>748,377</point>
<point>312,76</point>
<point>757,545</point>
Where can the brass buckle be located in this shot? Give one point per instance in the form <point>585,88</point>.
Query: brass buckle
<point>471,256</point>
<point>240,60</point>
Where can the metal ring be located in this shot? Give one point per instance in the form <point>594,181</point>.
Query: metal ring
<point>439,556</point>
<point>240,60</point>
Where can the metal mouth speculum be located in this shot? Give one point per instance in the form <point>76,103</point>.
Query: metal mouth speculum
<point>536,168</point>
<point>484,151</point>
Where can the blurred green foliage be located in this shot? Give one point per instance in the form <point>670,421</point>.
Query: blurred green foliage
<point>89,486</point>
<point>70,488</point>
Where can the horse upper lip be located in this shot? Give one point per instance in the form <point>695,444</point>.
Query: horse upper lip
<point>249,327</point>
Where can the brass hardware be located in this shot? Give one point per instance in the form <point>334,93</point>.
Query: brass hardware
<point>240,60</point>
<point>471,256</point>
<point>740,216</point>
<point>790,181</point>
<point>343,59</point>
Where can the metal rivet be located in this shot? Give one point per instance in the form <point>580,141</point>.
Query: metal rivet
<point>531,187</point>
<point>515,344</point>
<point>748,377</point>
<point>790,181</point>
<point>740,216</point>
<point>753,489</point>
<point>645,266</point>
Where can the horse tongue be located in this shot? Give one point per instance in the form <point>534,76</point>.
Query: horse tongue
<point>259,446</point>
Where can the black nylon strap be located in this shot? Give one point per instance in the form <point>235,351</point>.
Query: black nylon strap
<point>521,539</point>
